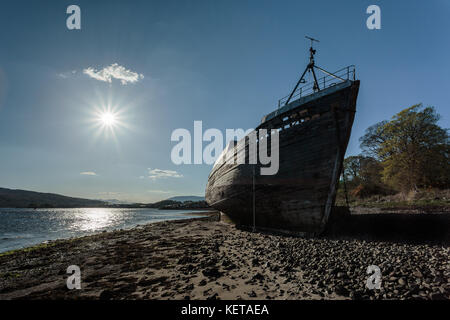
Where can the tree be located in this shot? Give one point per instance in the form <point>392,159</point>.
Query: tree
<point>352,167</point>
<point>412,149</point>
<point>362,169</point>
<point>372,139</point>
<point>370,171</point>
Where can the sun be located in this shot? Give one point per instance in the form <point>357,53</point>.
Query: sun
<point>108,119</point>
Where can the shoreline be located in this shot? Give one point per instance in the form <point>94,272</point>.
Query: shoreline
<point>202,258</point>
<point>202,212</point>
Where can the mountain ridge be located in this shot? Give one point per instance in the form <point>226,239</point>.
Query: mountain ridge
<point>186,198</point>
<point>17,198</point>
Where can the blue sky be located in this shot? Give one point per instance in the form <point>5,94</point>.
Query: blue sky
<point>223,62</point>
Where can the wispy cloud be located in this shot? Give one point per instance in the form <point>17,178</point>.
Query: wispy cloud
<point>159,191</point>
<point>159,173</point>
<point>65,75</point>
<point>88,173</point>
<point>114,71</point>
<point>109,193</point>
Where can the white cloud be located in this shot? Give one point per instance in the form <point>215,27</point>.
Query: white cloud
<point>88,173</point>
<point>159,173</point>
<point>114,71</point>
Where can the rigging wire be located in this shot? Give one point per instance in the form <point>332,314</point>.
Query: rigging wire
<point>345,188</point>
<point>254,210</point>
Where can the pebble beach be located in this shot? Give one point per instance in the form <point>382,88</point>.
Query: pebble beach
<point>207,259</point>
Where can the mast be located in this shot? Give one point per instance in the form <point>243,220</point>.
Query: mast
<point>311,64</point>
<point>309,67</point>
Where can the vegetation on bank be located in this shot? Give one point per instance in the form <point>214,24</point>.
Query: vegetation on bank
<point>27,249</point>
<point>421,198</point>
<point>404,162</point>
<point>172,204</point>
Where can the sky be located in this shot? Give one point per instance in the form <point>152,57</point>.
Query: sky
<point>161,65</point>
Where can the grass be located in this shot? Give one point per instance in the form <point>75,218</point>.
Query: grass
<point>415,203</point>
<point>28,249</point>
<point>422,199</point>
<point>394,204</point>
<point>10,275</point>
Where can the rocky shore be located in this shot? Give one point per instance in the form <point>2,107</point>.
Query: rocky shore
<point>207,259</point>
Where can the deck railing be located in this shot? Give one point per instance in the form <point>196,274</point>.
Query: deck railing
<point>347,73</point>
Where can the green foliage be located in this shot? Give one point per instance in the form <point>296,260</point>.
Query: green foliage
<point>373,138</point>
<point>411,148</point>
<point>362,169</point>
<point>363,176</point>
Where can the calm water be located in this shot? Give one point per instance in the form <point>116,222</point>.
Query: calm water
<point>24,227</point>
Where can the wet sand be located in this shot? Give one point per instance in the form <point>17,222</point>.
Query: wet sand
<point>207,259</point>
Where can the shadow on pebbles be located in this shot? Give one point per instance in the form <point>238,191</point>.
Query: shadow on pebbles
<point>206,259</point>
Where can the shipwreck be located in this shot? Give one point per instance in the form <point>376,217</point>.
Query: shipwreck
<point>314,123</point>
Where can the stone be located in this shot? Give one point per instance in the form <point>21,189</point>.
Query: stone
<point>417,274</point>
<point>212,272</point>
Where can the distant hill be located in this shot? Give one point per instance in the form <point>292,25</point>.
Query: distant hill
<point>10,198</point>
<point>180,202</point>
<point>161,204</point>
<point>187,198</point>
<point>115,201</point>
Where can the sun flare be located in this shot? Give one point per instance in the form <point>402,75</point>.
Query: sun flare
<point>108,119</point>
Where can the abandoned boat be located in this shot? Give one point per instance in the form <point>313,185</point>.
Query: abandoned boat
<point>314,124</point>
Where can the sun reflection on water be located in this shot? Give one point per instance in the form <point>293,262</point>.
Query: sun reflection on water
<point>25,227</point>
<point>92,219</point>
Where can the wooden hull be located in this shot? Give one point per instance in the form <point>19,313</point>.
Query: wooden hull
<point>300,196</point>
